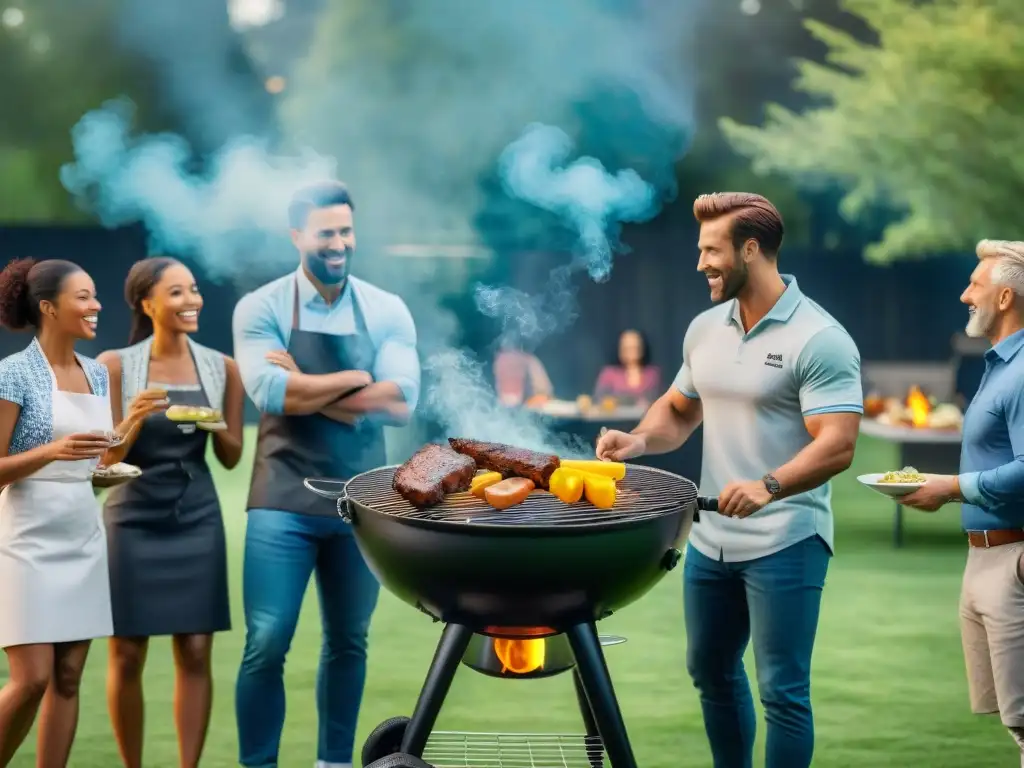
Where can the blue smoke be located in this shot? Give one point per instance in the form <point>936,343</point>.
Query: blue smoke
<point>221,216</point>
<point>535,168</point>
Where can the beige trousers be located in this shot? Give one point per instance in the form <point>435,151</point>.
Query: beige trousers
<point>992,629</point>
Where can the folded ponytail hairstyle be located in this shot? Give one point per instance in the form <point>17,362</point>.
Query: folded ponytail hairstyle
<point>139,284</point>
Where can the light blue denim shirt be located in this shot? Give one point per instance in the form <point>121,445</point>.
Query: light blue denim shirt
<point>992,453</point>
<point>262,322</point>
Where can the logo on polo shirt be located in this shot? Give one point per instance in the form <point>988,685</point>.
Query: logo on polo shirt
<point>775,361</point>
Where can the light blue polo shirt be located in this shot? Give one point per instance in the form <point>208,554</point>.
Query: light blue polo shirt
<point>755,389</point>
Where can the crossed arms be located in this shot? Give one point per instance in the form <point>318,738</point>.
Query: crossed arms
<point>387,394</point>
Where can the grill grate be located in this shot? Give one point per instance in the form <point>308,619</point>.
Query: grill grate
<point>451,749</point>
<point>645,492</point>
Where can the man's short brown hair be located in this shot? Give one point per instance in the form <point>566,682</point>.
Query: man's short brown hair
<point>753,217</point>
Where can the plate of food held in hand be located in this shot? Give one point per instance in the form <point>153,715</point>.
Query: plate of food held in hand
<point>503,476</point>
<point>196,414</point>
<point>115,474</point>
<point>895,484</point>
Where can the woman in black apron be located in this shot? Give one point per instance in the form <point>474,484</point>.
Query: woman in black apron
<point>168,559</point>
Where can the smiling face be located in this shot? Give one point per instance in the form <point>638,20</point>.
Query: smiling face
<point>174,302</point>
<point>75,310</point>
<point>986,300</point>
<point>723,265</point>
<point>327,243</point>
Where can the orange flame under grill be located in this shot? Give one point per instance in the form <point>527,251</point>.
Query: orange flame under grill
<point>919,407</point>
<point>519,656</point>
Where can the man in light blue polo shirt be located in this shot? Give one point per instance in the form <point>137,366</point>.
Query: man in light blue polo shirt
<point>328,359</point>
<point>776,381</point>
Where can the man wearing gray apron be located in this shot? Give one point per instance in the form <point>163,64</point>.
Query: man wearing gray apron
<point>329,360</point>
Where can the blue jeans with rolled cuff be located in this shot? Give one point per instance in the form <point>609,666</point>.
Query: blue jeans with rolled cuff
<point>775,601</point>
<point>282,550</point>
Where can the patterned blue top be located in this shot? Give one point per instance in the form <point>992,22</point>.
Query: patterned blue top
<point>27,380</point>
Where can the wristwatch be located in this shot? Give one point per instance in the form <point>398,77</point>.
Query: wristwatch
<point>772,485</point>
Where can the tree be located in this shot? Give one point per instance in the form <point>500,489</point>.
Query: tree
<point>924,122</point>
<point>60,63</point>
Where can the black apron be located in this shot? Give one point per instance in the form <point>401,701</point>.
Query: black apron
<point>165,536</point>
<point>292,448</point>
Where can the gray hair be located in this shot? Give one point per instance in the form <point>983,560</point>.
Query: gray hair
<point>1009,268</point>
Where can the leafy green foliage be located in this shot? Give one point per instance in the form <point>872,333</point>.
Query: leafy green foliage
<point>57,64</point>
<point>925,121</point>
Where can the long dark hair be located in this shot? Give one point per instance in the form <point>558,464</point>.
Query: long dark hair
<point>645,358</point>
<point>26,282</point>
<point>137,286</point>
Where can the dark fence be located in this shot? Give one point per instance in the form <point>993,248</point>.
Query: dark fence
<point>907,311</point>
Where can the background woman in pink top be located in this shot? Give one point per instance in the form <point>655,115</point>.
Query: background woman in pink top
<point>519,376</point>
<point>633,379</point>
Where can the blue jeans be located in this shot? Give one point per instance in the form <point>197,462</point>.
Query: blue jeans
<point>776,599</point>
<point>282,549</point>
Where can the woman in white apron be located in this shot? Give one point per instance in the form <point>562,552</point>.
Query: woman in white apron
<point>54,587</point>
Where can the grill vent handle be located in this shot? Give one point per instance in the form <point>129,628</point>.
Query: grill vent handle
<point>336,490</point>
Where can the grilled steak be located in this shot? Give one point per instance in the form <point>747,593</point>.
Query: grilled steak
<point>431,472</point>
<point>508,460</point>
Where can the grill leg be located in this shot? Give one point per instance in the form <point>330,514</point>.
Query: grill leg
<point>595,750</point>
<point>597,684</point>
<point>450,648</point>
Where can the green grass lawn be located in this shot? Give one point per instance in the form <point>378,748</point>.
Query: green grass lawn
<point>889,687</point>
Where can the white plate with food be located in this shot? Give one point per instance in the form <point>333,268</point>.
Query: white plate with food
<point>115,474</point>
<point>895,484</point>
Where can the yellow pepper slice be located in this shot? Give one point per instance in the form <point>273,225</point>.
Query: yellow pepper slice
<point>599,490</point>
<point>480,482</point>
<point>566,485</point>
<point>613,469</point>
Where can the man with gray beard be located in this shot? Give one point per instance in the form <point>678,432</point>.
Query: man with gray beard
<point>990,487</point>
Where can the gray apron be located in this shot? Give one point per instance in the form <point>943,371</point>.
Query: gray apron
<point>292,448</point>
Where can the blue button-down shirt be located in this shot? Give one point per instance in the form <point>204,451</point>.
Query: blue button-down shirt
<point>262,322</point>
<point>992,456</point>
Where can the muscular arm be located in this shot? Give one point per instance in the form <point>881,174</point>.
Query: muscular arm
<point>833,439</point>
<point>674,416</point>
<point>670,421</point>
<point>273,389</point>
<point>832,401</point>
<point>228,444</point>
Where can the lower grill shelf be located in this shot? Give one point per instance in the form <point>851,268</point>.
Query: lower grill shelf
<point>453,749</point>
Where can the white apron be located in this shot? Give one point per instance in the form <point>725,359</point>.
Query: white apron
<point>54,585</point>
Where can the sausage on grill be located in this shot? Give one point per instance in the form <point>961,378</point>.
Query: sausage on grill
<point>508,460</point>
<point>431,472</point>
